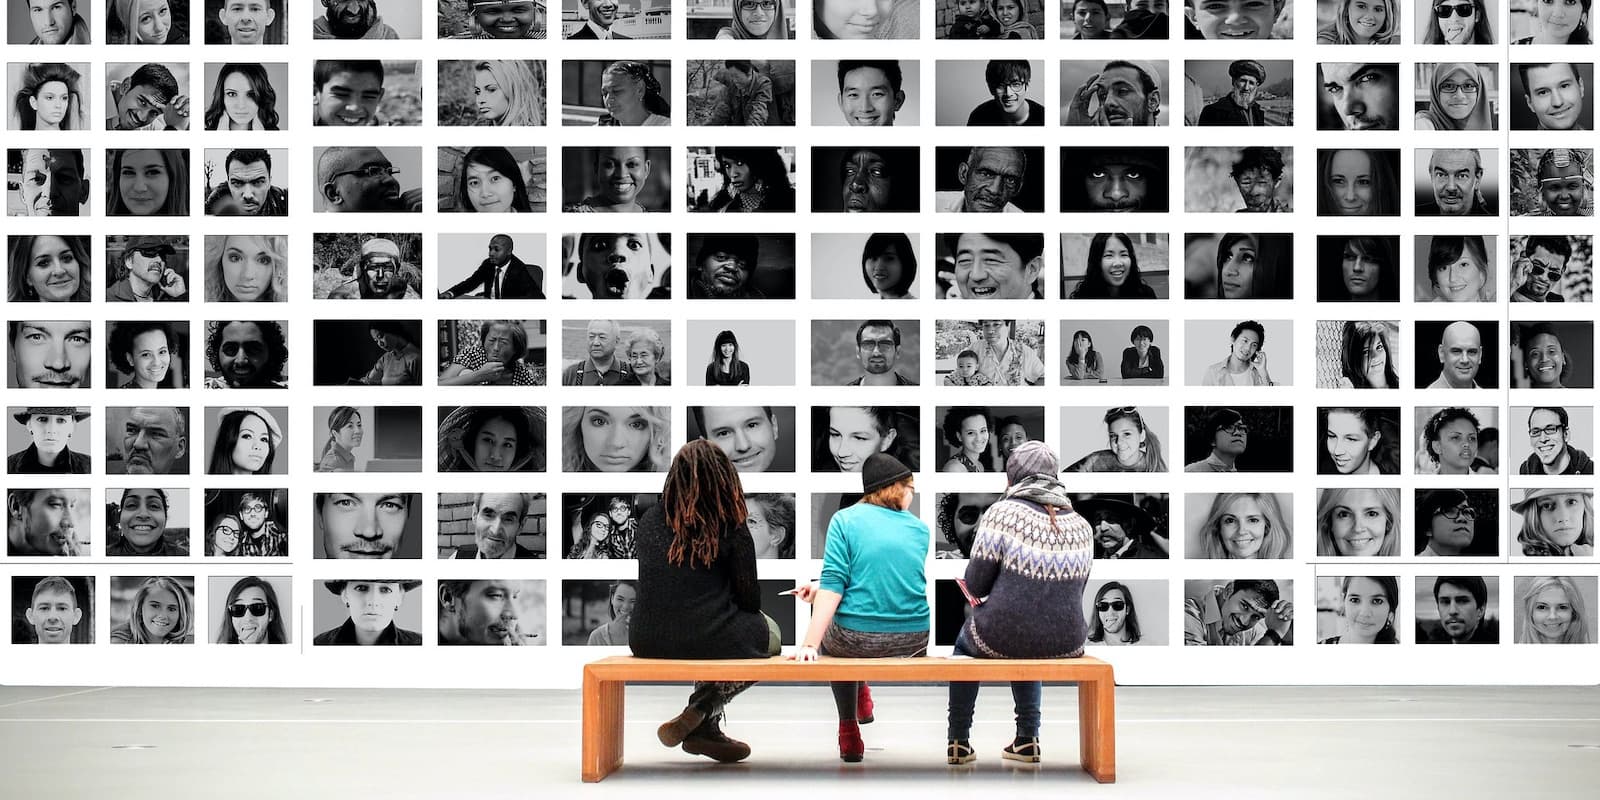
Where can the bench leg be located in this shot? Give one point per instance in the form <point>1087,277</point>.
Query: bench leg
<point>1097,729</point>
<point>602,727</point>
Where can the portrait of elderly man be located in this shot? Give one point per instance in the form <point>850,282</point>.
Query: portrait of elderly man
<point>49,354</point>
<point>870,92</point>
<point>47,522</point>
<point>1238,106</point>
<point>361,179</point>
<point>602,366</point>
<point>351,19</point>
<point>247,189</point>
<point>52,183</point>
<point>1359,96</point>
<point>498,359</point>
<point>141,527</point>
<point>244,354</point>
<point>146,276</point>
<point>994,266</point>
<point>496,523</point>
<point>153,440</point>
<point>601,15</point>
<point>501,275</point>
<point>1460,355</point>
<point>990,178</point>
<point>1121,94</point>
<point>50,428</point>
<point>1556,95</point>
<point>1455,176</point>
<point>493,611</point>
<point>1550,434</point>
<point>1008,102</point>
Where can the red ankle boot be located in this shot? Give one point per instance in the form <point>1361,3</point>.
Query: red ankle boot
<point>864,704</point>
<point>851,748</point>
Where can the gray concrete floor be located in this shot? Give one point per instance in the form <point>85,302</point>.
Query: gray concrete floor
<point>1172,742</point>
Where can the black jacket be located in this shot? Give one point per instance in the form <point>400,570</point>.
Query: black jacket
<point>521,281</point>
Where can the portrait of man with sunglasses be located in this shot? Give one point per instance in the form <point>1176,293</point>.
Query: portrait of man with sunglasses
<point>152,270</point>
<point>1539,269</point>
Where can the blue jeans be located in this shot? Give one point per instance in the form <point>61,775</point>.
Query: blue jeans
<point>1025,695</point>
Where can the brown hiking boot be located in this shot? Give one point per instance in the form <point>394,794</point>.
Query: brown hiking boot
<point>675,730</point>
<point>709,740</point>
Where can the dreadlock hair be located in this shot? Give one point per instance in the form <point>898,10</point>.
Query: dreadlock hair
<point>702,500</point>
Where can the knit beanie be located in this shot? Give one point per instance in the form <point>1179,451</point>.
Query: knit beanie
<point>882,470</point>
<point>1029,459</point>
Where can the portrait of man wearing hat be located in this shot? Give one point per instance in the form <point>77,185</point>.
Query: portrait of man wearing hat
<point>724,266</point>
<point>371,606</point>
<point>1122,93</point>
<point>1122,179</point>
<point>1239,106</point>
<point>50,427</point>
<point>146,276</point>
<point>1122,528</point>
<point>381,274</point>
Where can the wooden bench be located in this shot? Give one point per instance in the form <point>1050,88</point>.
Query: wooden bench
<point>605,680</point>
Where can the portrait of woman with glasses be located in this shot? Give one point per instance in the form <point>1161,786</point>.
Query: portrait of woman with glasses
<point>1448,522</point>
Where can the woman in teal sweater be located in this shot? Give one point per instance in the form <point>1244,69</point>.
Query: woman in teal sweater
<point>872,600</point>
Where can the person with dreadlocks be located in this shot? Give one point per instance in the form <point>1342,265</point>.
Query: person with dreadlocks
<point>698,596</point>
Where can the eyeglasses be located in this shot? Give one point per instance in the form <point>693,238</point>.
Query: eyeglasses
<point>765,5</point>
<point>1459,9</point>
<point>370,171</point>
<point>1547,432</point>
<point>1014,86</point>
<point>1110,605</point>
<point>256,609</point>
<point>1458,88</point>
<point>879,345</point>
<point>1459,513</point>
<point>1237,428</point>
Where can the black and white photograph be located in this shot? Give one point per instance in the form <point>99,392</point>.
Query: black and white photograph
<point>48,522</point>
<point>612,266</point>
<point>1458,96</point>
<point>366,266</point>
<point>1552,355</point>
<point>1358,609</point>
<point>1114,179</point>
<point>368,180</point>
<point>1358,96</point>
<point>876,93</point>
<point>1238,266</point>
<point>51,182</point>
<point>1458,609</point>
<point>154,610</point>
<point>744,19</point>
<point>368,19</point>
<point>246,22</point>
<point>740,179</point>
<point>1447,440</point>
<point>1358,183</point>
<point>990,266</point>
<point>365,93</point>
<point>1239,525</point>
<point>771,521</point>
<point>1551,96</point>
<point>1359,440</point>
<point>1366,269</point>
<point>490,525</point>
<point>970,438</point>
<point>52,609</point>
<point>1456,522</point>
<point>1115,93</point>
<point>1226,180</point>
<point>247,354</point>
<point>866,178</point>
<point>367,611</point>
<point>491,611</point>
<point>147,22</point>
<point>988,180</point>
<point>1358,354</point>
<point>147,523</point>
<point>1238,438</point>
<point>509,270</point>
<point>1119,19</point>
<point>147,183</point>
<point>1115,266</point>
<point>825,505</point>
<point>1252,352</point>
<point>610,19</point>
<point>616,93</point>
<point>1456,22</point>
<point>497,352</point>
<point>144,269</point>
<point>1463,354</point>
<point>602,526</point>
<point>1559,440</point>
<point>1553,522</point>
<point>989,352</point>
<point>491,439</point>
<point>741,92</point>
<point>888,266</point>
<point>245,440</point>
<point>492,180</point>
<point>1455,268</point>
<point>741,266</point>
<point>50,354</point>
<point>1240,92</point>
<point>1551,269</point>
<point>243,183</point>
<point>246,269</point>
<point>1552,182</point>
<point>730,347</point>
<point>149,96</point>
<point>842,437</point>
<point>1114,618</point>
<point>1122,439</point>
<point>755,438</point>
<point>367,438</point>
<point>956,516</point>
<point>600,352</point>
<point>597,612</point>
<point>1090,346</point>
<point>871,352</point>
<point>48,96</point>
<point>616,438</point>
<point>492,19</point>
<point>251,610</point>
<point>247,523</point>
<point>376,352</point>
<point>1238,612</point>
<point>148,440</point>
<point>49,269</point>
<point>53,22</point>
<point>988,19</point>
<point>147,354</point>
<point>616,179</point>
<point>243,96</point>
<point>367,525</point>
<point>491,92</point>
<point>1456,182</point>
<point>1359,522</point>
<point>1532,22</point>
<point>989,93</point>
<point>1227,21</point>
<point>1554,610</point>
<point>842,19</point>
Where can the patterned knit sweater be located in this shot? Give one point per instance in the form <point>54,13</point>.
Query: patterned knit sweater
<point>1032,573</point>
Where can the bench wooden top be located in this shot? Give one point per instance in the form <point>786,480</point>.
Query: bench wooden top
<point>883,670</point>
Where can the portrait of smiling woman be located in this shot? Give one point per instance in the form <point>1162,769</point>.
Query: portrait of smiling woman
<point>161,610</point>
<point>148,354</point>
<point>1358,522</point>
<point>245,441</point>
<point>1241,525</point>
<point>49,269</point>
